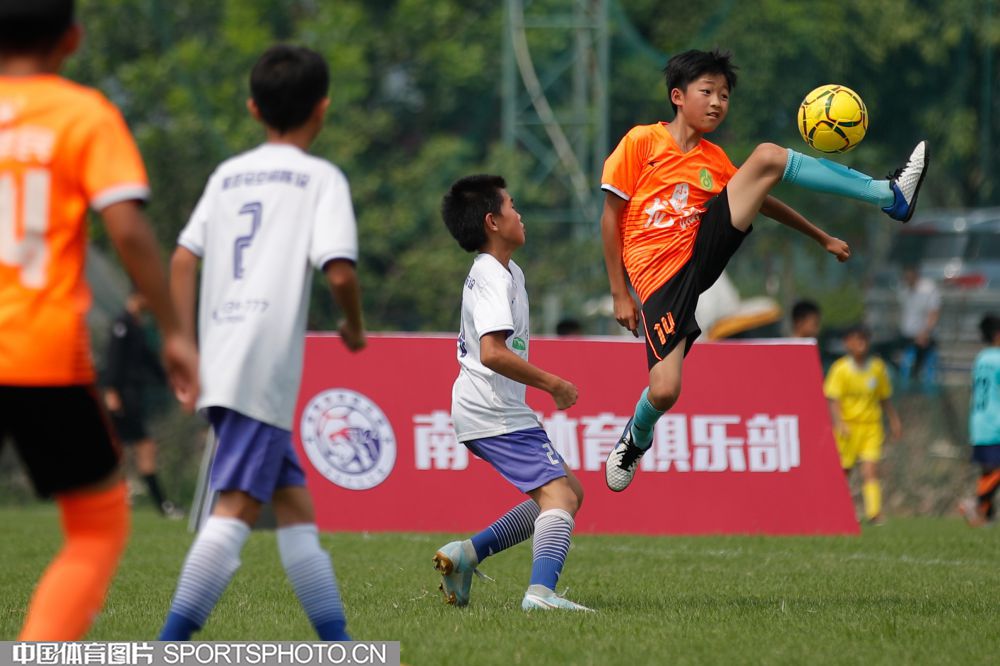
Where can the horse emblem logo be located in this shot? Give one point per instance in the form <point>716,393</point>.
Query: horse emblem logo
<point>348,439</point>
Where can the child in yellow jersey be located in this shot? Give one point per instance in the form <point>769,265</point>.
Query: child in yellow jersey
<point>859,389</point>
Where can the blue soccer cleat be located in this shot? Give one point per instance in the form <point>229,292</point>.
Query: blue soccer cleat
<point>456,566</point>
<point>539,597</point>
<point>906,182</point>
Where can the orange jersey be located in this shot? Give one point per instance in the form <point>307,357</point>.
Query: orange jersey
<point>666,191</point>
<point>63,147</point>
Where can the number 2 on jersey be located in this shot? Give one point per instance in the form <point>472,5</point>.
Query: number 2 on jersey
<point>29,252</point>
<point>253,209</point>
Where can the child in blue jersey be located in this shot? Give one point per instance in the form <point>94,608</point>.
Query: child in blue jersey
<point>984,424</point>
<point>487,405</point>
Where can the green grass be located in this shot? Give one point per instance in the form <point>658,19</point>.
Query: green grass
<point>914,591</point>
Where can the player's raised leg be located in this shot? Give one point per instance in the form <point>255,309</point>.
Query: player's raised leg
<point>663,391</point>
<point>307,565</point>
<point>559,500</point>
<point>769,164</point>
<point>457,561</point>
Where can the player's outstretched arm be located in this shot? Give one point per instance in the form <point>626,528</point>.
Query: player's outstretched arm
<point>495,355</point>
<point>785,214</point>
<point>626,312</point>
<point>140,254</point>
<point>343,280</point>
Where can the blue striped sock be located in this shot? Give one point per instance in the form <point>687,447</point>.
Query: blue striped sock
<point>310,571</point>
<point>644,420</point>
<point>213,559</point>
<point>552,530</point>
<point>822,175</point>
<point>509,530</point>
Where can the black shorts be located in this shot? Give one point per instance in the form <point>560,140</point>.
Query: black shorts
<point>130,420</point>
<point>668,313</point>
<point>61,434</point>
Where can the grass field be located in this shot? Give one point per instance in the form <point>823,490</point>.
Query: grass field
<point>914,591</point>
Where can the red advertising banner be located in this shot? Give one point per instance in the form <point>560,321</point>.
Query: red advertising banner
<point>748,448</point>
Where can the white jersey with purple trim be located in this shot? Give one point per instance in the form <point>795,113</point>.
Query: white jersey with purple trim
<point>484,403</point>
<point>265,219</point>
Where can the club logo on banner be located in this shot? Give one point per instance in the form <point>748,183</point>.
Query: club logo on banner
<point>348,439</point>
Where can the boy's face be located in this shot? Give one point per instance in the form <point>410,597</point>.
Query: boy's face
<point>856,345</point>
<point>808,326</point>
<point>509,227</point>
<point>705,102</point>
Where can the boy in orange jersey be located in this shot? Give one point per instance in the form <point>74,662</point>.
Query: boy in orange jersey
<point>676,210</point>
<point>64,148</point>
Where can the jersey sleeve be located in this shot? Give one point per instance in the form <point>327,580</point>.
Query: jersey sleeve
<point>112,169</point>
<point>623,166</point>
<point>335,232</point>
<point>195,232</point>
<point>883,385</point>
<point>492,312</point>
<point>833,386</point>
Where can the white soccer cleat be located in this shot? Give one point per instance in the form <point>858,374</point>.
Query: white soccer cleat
<point>623,461</point>
<point>906,182</point>
<point>539,597</point>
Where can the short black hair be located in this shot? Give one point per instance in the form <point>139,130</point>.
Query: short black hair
<point>858,329</point>
<point>34,26</point>
<point>466,204</point>
<point>990,328</point>
<point>804,308</point>
<point>686,67</point>
<point>287,83</point>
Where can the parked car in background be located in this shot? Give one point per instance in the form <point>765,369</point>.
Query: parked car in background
<point>960,251</point>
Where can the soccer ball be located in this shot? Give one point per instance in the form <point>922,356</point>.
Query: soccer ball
<point>833,119</point>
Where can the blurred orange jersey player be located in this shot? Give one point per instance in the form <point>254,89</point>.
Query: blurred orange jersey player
<point>63,148</point>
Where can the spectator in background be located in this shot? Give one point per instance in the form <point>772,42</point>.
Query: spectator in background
<point>919,309</point>
<point>567,327</point>
<point>131,367</point>
<point>806,319</point>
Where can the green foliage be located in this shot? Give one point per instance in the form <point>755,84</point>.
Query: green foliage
<point>914,591</point>
<point>415,103</point>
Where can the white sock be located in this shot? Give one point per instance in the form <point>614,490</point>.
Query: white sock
<point>210,564</point>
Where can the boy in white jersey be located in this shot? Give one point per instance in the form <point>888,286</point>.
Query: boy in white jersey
<point>488,409</point>
<point>264,217</point>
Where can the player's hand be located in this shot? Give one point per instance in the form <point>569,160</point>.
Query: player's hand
<point>895,429</point>
<point>112,401</point>
<point>352,337</point>
<point>565,394</point>
<point>842,430</point>
<point>837,248</point>
<point>626,313</point>
<point>180,361</point>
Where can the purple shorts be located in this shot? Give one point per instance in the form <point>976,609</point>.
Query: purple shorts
<point>526,458</point>
<point>252,456</point>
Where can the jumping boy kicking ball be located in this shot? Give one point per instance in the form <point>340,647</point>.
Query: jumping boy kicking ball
<point>676,210</point>
<point>487,402</point>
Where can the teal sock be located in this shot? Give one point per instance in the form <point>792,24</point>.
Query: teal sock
<point>644,420</point>
<point>821,175</point>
